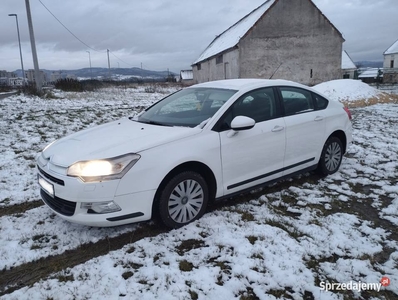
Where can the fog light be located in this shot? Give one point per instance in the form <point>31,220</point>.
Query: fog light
<point>101,207</point>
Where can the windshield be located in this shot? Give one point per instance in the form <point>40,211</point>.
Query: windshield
<point>188,107</point>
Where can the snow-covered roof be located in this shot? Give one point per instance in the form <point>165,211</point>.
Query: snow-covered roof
<point>346,61</point>
<point>186,74</point>
<point>230,38</point>
<point>393,49</point>
<point>370,73</point>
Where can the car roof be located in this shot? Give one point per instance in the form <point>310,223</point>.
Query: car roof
<point>244,84</point>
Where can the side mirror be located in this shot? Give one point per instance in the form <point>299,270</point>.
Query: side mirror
<point>242,123</point>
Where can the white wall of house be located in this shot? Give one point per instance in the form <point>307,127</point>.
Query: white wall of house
<point>390,59</point>
<point>390,67</point>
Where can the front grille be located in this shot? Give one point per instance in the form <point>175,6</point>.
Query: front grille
<point>52,178</point>
<point>64,207</point>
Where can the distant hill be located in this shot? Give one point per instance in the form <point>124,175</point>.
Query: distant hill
<point>369,64</point>
<point>120,73</point>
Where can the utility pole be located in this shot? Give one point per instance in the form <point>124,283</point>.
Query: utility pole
<point>20,50</point>
<point>33,45</point>
<point>109,64</point>
<point>89,58</point>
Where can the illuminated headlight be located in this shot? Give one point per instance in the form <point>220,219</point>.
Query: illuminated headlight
<point>103,169</point>
<point>101,207</point>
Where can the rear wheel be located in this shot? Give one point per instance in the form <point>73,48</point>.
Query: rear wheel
<point>331,157</point>
<point>183,199</point>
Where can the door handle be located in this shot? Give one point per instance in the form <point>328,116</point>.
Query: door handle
<point>277,128</point>
<point>318,118</point>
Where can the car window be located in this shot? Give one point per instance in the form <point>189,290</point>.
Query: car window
<point>259,105</point>
<point>296,100</point>
<point>185,103</point>
<point>188,107</point>
<point>320,102</point>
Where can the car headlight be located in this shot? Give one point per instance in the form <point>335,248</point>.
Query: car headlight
<point>103,169</point>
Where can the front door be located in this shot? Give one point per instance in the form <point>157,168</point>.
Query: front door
<point>254,156</point>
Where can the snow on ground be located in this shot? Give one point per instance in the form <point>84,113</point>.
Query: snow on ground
<point>281,243</point>
<point>28,124</point>
<point>347,90</point>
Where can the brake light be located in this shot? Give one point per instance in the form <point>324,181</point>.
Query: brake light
<point>348,112</point>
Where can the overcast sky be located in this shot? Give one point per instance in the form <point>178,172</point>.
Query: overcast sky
<point>164,34</point>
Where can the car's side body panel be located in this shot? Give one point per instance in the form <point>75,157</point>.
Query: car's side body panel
<point>247,156</point>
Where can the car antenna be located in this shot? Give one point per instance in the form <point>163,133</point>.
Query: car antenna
<point>275,71</point>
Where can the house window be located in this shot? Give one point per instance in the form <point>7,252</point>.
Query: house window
<point>219,59</point>
<point>392,64</point>
<point>199,66</point>
<point>311,74</point>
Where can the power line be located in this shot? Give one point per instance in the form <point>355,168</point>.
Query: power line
<point>68,29</point>
<point>122,60</point>
<point>80,39</point>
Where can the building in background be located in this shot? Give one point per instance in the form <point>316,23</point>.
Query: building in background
<point>371,75</point>
<point>390,65</point>
<point>282,39</point>
<point>348,67</point>
<point>186,76</point>
<point>30,75</point>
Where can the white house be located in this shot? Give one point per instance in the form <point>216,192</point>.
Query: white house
<point>186,76</point>
<point>371,75</point>
<point>348,66</point>
<point>390,65</point>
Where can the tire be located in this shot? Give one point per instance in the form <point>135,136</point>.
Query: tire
<point>183,199</point>
<point>331,157</point>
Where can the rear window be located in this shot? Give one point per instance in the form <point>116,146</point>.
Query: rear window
<point>320,102</point>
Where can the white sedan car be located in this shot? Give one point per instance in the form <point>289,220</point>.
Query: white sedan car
<point>204,142</point>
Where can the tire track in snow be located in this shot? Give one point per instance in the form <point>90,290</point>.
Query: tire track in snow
<point>29,273</point>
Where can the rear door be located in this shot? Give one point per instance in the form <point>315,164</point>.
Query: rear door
<point>251,157</point>
<point>305,129</point>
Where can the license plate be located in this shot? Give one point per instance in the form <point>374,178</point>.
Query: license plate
<point>46,186</point>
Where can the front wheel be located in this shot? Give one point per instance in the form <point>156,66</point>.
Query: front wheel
<point>183,199</point>
<point>331,156</point>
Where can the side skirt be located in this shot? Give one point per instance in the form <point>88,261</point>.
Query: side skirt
<point>267,183</point>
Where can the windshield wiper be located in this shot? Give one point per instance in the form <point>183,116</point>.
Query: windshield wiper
<point>151,122</point>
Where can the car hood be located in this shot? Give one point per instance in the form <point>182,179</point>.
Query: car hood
<point>112,139</point>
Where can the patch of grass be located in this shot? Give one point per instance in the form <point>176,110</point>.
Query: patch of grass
<point>188,245</point>
<point>5,200</point>
<point>382,98</point>
<point>185,266</point>
<point>280,294</point>
<point>194,295</point>
<point>37,237</point>
<point>135,266</point>
<point>204,234</point>
<point>35,247</point>
<point>65,278</point>
<point>127,275</point>
<point>130,250</point>
<point>252,239</point>
<point>257,256</point>
<point>249,294</point>
<point>157,257</point>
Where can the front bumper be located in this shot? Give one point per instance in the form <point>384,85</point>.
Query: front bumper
<point>70,192</point>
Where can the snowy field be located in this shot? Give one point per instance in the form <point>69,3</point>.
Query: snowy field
<point>283,242</point>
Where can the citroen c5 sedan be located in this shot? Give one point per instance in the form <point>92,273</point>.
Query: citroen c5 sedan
<point>204,142</point>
